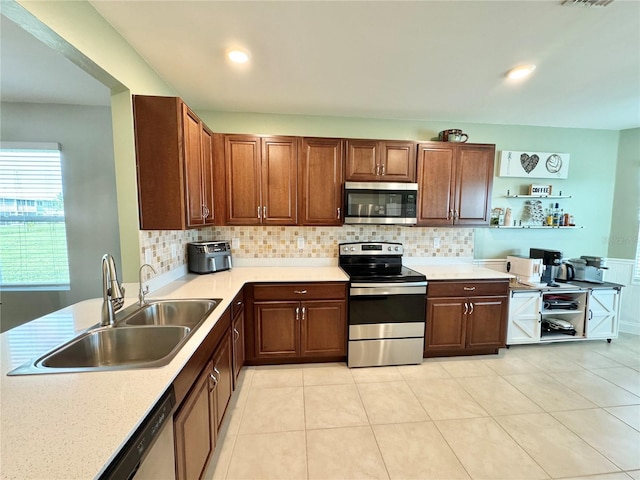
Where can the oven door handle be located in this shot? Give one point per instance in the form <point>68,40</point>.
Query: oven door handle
<point>386,285</point>
<point>382,291</point>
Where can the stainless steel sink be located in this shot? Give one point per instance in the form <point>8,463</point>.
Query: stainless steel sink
<point>187,313</point>
<point>147,336</point>
<point>117,347</point>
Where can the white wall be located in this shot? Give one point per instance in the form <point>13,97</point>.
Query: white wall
<point>89,196</point>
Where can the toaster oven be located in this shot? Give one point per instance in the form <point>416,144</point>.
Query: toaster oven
<point>209,256</point>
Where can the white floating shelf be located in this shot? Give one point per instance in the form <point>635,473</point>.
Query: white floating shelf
<point>538,196</point>
<point>538,227</point>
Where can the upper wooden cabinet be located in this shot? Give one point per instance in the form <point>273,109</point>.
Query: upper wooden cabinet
<point>380,161</point>
<point>454,183</point>
<point>320,180</point>
<point>261,180</point>
<point>174,160</point>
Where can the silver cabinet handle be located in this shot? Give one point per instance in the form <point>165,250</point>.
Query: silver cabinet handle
<point>300,292</point>
<point>590,314</point>
<point>215,369</point>
<point>297,313</point>
<point>383,169</point>
<point>239,303</point>
<point>304,310</point>
<point>466,308</point>
<point>259,212</point>
<point>213,378</point>
<point>469,289</point>
<point>338,213</point>
<point>264,212</point>
<point>471,305</point>
<point>455,214</point>
<point>449,214</point>
<point>236,333</point>
<point>205,211</point>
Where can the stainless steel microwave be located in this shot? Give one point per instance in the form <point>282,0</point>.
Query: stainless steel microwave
<point>381,203</point>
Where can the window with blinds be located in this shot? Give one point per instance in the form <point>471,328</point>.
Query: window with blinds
<point>33,237</point>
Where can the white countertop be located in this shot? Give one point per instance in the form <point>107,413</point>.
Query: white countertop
<point>70,426</point>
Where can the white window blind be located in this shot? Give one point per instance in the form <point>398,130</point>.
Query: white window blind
<point>33,238</point>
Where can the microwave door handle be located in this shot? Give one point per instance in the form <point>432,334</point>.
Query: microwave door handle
<point>212,262</point>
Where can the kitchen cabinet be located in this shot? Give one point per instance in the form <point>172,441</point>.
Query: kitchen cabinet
<point>237,332</point>
<point>591,312</point>
<point>454,183</point>
<point>320,180</point>
<point>174,161</point>
<point>465,318</point>
<point>380,161</point>
<point>203,390</point>
<point>302,322</point>
<point>603,306</point>
<point>525,308</point>
<point>197,422</point>
<point>261,180</point>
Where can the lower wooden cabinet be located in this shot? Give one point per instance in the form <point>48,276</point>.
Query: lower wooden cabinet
<point>465,318</point>
<point>197,421</point>
<point>195,428</point>
<point>300,322</point>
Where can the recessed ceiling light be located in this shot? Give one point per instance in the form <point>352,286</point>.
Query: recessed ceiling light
<point>521,72</point>
<point>238,55</point>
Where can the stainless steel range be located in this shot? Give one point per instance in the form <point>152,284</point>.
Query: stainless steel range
<point>386,305</point>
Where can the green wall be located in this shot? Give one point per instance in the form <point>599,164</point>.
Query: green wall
<point>626,204</point>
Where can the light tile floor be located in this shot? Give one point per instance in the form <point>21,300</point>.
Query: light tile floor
<point>563,410</point>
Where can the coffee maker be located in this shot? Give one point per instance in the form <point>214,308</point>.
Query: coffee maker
<point>551,259</point>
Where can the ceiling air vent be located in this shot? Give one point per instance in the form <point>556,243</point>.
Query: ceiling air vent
<point>586,3</point>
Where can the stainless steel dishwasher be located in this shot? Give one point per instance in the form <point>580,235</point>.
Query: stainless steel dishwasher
<point>149,453</point>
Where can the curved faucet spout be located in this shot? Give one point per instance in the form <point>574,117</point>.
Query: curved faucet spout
<point>112,291</point>
<point>143,289</point>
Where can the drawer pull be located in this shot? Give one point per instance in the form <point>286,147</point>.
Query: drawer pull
<point>300,292</point>
<point>469,289</point>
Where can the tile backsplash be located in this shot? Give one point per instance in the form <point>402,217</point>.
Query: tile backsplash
<point>167,249</point>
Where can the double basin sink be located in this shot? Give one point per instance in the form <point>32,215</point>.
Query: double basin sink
<point>146,336</point>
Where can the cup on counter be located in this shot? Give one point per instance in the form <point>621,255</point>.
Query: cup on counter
<point>453,135</point>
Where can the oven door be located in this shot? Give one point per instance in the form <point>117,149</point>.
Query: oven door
<point>371,303</point>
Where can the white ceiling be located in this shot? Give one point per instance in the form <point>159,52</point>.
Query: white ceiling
<point>417,60</point>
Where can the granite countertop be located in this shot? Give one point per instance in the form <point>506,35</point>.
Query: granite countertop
<point>71,425</point>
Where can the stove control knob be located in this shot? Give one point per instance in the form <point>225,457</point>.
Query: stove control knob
<point>353,249</point>
<point>389,248</point>
<point>397,249</point>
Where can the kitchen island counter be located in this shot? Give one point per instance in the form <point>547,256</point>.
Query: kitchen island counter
<point>71,425</point>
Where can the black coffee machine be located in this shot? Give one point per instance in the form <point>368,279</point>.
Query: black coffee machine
<point>551,259</point>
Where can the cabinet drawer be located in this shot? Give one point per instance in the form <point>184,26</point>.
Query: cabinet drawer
<point>237,304</point>
<point>467,289</point>
<point>300,291</point>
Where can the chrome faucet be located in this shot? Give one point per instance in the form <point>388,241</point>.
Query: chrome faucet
<point>143,289</point>
<point>112,291</point>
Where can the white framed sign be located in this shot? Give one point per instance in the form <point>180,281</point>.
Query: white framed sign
<point>534,164</point>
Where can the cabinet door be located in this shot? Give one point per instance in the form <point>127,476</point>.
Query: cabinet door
<point>324,328</point>
<point>524,318</point>
<point>242,162</point>
<point>223,371</point>
<point>320,181</point>
<point>193,167</point>
<point>206,138</point>
<point>435,182</point>
<point>195,428</point>
<point>486,322</point>
<point>238,344</point>
<point>363,161</point>
<point>276,328</point>
<point>279,181</point>
<point>398,161</point>
<point>445,324</point>
<point>602,319</point>
<point>474,179</point>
